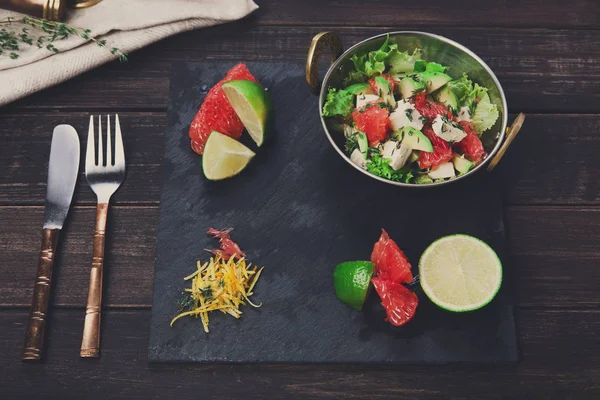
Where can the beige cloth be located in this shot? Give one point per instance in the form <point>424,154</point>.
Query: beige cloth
<point>126,24</point>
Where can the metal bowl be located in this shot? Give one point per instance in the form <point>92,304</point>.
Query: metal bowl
<point>435,48</point>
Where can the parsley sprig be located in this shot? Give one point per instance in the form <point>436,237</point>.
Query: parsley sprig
<point>12,40</point>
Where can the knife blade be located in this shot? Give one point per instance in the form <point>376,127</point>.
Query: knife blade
<point>63,169</point>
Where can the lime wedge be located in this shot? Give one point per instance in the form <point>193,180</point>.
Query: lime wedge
<point>351,281</point>
<point>460,273</point>
<point>224,157</point>
<point>252,104</point>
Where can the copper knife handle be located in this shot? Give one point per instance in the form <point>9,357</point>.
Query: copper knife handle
<point>90,345</point>
<point>34,335</point>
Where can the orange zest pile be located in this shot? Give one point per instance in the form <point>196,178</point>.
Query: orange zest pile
<point>220,284</point>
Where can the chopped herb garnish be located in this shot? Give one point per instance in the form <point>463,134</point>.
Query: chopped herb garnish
<point>207,293</point>
<point>185,303</point>
<point>351,144</point>
<point>409,114</point>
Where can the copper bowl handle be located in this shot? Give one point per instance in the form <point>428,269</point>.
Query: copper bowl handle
<point>510,136</point>
<point>321,42</point>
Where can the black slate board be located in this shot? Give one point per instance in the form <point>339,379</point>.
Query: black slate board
<point>299,210</point>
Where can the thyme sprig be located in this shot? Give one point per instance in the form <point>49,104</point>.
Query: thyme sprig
<point>11,40</point>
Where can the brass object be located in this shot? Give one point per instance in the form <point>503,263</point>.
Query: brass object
<point>322,41</point>
<point>34,335</point>
<point>90,345</point>
<point>434,47</point>
<point>510,136</point>
<point>52,10</point>
<point>84,3</point>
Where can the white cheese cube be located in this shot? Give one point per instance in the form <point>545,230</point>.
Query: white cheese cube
<point>397,153</point>
<point>400,156</point>
<point>358,158</point>
<point>364,99</point>
<point>464,114</point>
<point>445,170</point>
<point>447,130</point>
<point>388,149</point>
<point>405,115</point>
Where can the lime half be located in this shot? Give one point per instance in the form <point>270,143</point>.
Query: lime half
<point>252,104</point>
<point>224,157</point>
<point>460,273</point>
<point>351,281</point>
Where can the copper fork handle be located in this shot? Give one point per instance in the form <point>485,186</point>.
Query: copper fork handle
<point>90,345</point>
<point>34,335</point>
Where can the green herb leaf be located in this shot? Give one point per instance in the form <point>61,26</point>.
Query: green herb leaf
<point>186,303</point>
<point>51,32</point>
<point>351,144</point>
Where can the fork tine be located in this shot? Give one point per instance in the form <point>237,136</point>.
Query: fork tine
<point>119,151</point>
<point>100,149</point>
<point>108,143</point>
<point>90,154</point>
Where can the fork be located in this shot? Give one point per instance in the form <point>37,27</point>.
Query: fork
<point>104,181</point>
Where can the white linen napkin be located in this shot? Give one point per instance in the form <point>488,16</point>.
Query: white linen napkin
<point>125,24</point>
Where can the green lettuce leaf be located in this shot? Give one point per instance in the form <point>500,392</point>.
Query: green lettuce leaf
<point>381,167</point>
<point>461,88</point>
<point>372,63</point>
<point>338,103</point>
<point>473,97</point>
<point>432,71</point>
<point>402,62</point>
<point>420,66</point>
<point>433,67</point>
<point>485,114</point>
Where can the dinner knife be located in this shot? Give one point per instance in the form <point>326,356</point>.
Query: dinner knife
<point>62,175</point>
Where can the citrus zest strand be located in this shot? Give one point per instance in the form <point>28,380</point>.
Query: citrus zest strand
<point>222,285</point>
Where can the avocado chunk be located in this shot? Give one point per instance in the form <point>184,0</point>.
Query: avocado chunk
<point>363,143</point>
<point>409,87</point>
<point>461,164</point>
<point>385,91</point>
<point>445,170</point>
<point>360,88</point>
<point>447,97</point>
<point>416,140</point>
<point>414,156</point>
<point>434,81</point>
<point>397,135</point>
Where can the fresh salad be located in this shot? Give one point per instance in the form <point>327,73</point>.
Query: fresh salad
<point>405,119</point>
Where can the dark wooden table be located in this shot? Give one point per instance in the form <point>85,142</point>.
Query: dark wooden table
<point>546,53</point>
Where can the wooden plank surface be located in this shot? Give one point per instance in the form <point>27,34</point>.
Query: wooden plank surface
<point>553,161</point>
<point>540,70</point>
<point>538,13</point>
<point>546,55</point>
<point>553,250</point>
<point>554,366</point>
